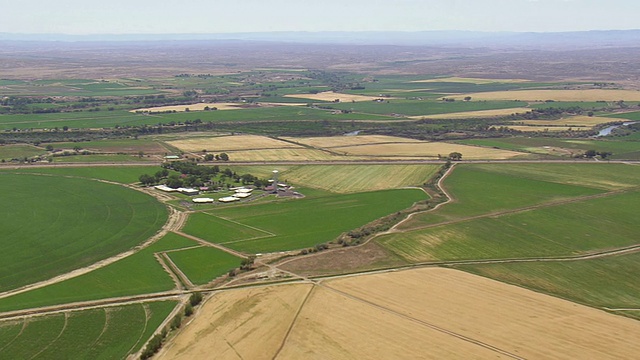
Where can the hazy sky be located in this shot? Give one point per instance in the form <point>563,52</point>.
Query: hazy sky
<point>220,16</point>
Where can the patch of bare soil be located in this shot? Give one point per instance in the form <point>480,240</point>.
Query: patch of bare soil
<point>368,256</point>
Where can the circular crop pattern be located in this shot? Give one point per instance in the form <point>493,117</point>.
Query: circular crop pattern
<point>50,225</point>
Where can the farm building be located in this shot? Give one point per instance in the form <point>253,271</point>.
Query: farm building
<point>202,200</point>
<point>242,195</point>
<point>243,191</point>
<point>172,157</point>
<point>228,199</point>
<point>189,191</point>
<point>165,188</point>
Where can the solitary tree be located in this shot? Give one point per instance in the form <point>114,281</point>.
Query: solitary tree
<point>455,156</point>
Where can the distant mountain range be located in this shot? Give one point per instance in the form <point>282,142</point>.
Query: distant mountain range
<point>520,40</point>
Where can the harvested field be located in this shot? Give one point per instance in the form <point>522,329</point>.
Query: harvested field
<point>547,128</point>
<point>230,143</point>
<point>246,324</point>
<point>426,150</point>
<point>429,313</point>
<point>288,154</point>
<point>331,96</point>
<point>357,178</point>
<point>192,107</point>
<point>516,320</point>
<point>337,141</point>
<point>475,114</point>
<point>556,95</point>
<point>477,81</point>
<point>571,121</point>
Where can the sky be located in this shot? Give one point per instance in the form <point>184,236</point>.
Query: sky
<point>83,17</point>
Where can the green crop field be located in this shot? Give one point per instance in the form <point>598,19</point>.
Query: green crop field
<point>106,158</point>
<point>306,222</point>
<point>120,174</point>
<point>8,152</point>
<point>132,146</point>
<point>569,229</point>
<point>604,282</point>
<point>57,224</point>
<point>480,189</point>
<point>137,274</point>
<point>204,264</point>
<point>469,228</point>
<point>219,230</point>
<point>106,333</point>
<point>634,116</point>
<point>358,178</point>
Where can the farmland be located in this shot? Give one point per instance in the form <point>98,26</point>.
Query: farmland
<point>384,315</point>
<point>81,222</point>
<point>316,220</point>
<point>385,245</point>
<point>111,332</point>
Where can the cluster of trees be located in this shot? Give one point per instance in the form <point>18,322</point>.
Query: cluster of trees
<point>593,153</point>
<point>187,173</point>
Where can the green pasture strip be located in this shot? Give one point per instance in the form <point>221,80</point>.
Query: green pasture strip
<point>39,333</point>
<point>280,113</point>
<point>604,176</point>
<point>120,174</point>
<point>620,149</point>
<point>357,178</point>
<point>80,119</point>
<point>631,314</point>
<point>603,282</point>
<point>586,105</point>
<point>116,145</point>
<point>54,225</point>
<point>82,330</point>
<point>424,107</point>
<point>219,230</point>
<point>563,230</point>
<point>203,264</point>
<point>8,152</point>
<point>479,189</point>
<point>633,116</point>
<point>97,158</point>
<point>300,223</point>
<point>134,275</point>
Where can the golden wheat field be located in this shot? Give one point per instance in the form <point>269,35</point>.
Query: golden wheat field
<point>337,141</point>
<point>556,95</point>
<point>425,149</point>
<point>475,114</point>
<point>231,143</point>
<point>358,178</point>
<point>284,154</point>
<point>428,313</point>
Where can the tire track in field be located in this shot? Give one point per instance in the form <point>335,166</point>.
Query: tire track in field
<point>293,323</point>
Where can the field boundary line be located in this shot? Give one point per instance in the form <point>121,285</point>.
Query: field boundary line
<point>176,310</point>
<point>182,249</point>
<point>293,322</point>
<point>145,308</point>
<point>623,309</point>
<point>424,323</point>
<point>548,204</point>
<point>210,244</point>
<point>64,327</point>
<point>25,323</point>
<point>181,275</point>
<point>179,284</point>
<point>92,304</point>
<point>241,224</point>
